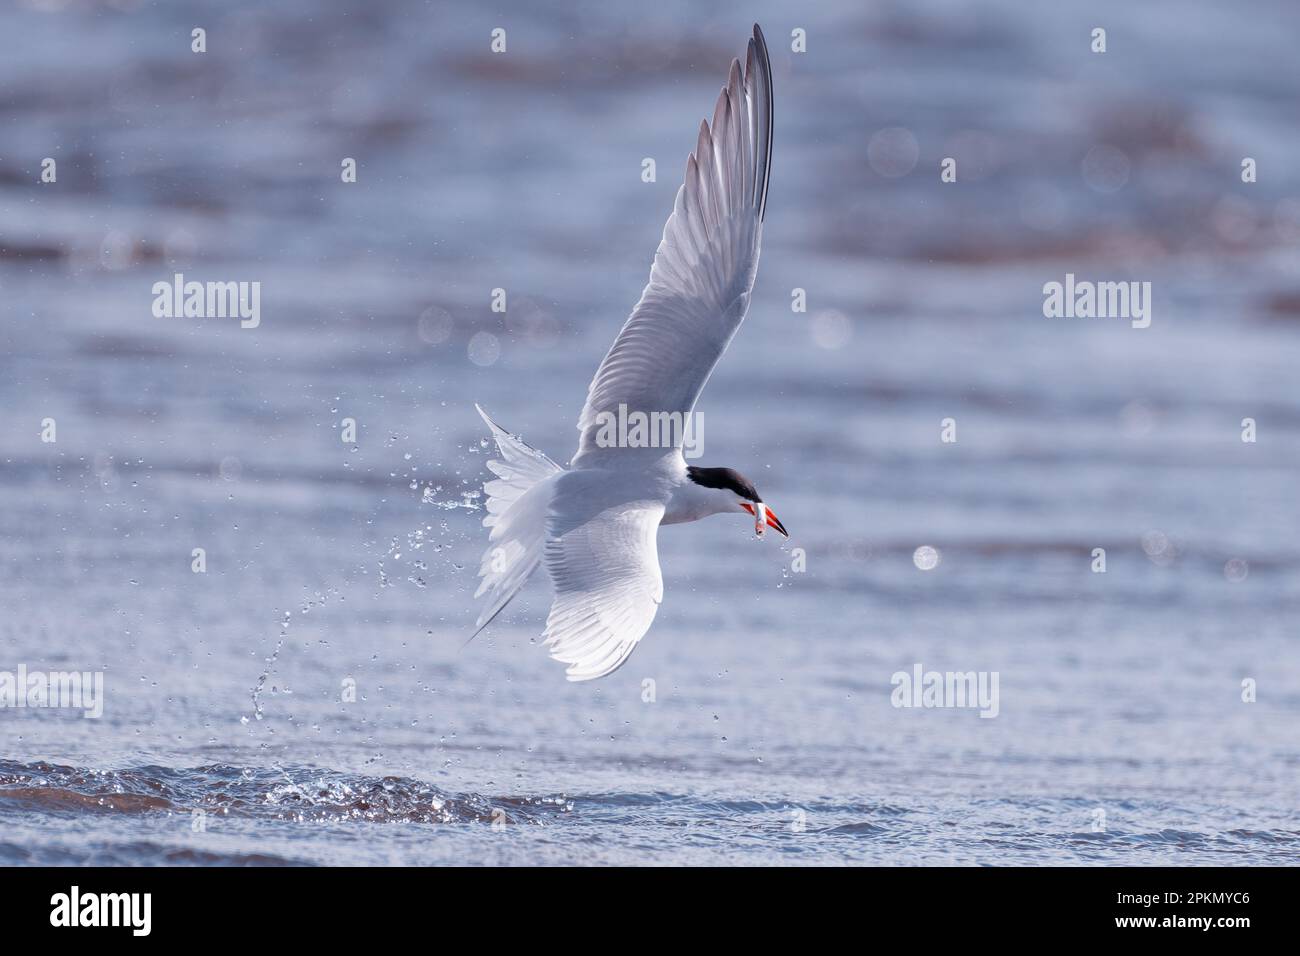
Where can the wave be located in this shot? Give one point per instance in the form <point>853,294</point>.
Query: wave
<point>286,793</point>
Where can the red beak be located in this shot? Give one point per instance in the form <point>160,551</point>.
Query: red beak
<point>772,520</point>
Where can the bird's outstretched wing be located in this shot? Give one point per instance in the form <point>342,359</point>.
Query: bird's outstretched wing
<point>605,568</point>
<point>703,270</point>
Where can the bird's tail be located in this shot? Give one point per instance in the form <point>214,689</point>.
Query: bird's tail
<point>517,502</point>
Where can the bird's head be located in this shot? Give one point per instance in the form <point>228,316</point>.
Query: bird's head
<point>734,490</point>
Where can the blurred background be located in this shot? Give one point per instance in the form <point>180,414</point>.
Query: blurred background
<point>329,562</point>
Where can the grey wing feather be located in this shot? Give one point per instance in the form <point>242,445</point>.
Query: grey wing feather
<point>703,270</point>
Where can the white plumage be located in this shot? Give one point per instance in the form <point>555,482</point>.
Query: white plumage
<point>595,524</point>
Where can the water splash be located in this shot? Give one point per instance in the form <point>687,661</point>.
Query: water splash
<point>296,794</point>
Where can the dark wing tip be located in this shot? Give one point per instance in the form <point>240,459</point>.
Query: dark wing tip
<point>764,62</point>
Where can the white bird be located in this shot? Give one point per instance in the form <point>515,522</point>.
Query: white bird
<point>594,524</point>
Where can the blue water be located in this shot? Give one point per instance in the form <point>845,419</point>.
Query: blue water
<point>771,737</point>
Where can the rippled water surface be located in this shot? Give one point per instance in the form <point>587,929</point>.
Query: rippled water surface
<point>754,724</point>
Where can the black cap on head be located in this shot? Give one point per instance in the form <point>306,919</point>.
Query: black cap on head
<point>727,478</point>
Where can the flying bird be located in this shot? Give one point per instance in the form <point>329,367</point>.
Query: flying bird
<point>594,524</point>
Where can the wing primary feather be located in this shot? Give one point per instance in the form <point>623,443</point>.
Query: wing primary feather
<point>735,137</point>
<point>764,108</point>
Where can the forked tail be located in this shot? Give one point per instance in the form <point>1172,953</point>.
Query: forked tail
<point>517,502</point>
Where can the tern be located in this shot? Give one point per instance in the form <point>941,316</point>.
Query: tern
<point>594,524</point>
